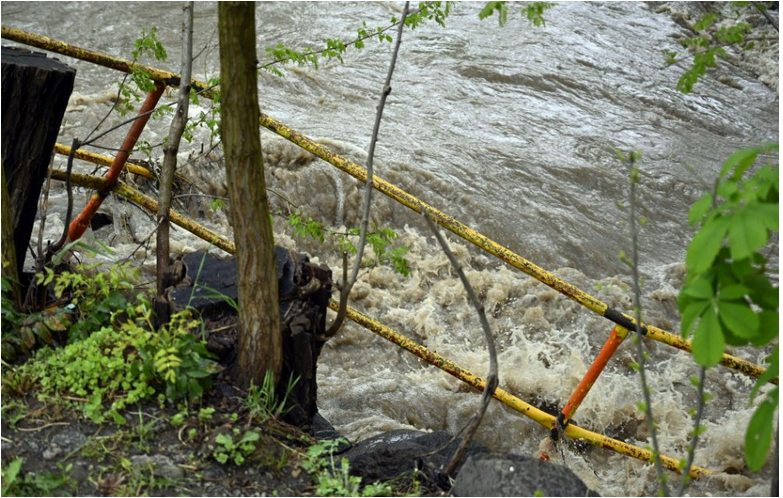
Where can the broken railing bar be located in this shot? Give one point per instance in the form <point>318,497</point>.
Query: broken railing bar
<point>105,60</point>
<point>508,399</point>
<point>82,221</point>
<point>395,193</point>
<point>616,337</point>
<point>101,160</point>
<point>120,188</point>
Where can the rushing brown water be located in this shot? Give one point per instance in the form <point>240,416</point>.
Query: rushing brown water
<point>510,130</point>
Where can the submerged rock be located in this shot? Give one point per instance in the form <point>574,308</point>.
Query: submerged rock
<point>514,475</point>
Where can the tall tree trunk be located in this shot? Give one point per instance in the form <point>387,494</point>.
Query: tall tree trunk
<point>260,340</point>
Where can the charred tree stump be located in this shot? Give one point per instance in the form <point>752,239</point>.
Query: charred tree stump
<point>304,290</point>
<point>35,92</point>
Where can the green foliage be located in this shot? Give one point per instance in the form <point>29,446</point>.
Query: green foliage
<point>305,227</point>
<point>227,449</point>
<point>491,7</point>
<point>177,357</point>
<point>147,45</point>
<point>15,483</point>
<point>380,239</point>
<point>334,480</point>
<point>533,11</point>
<point>728,297</point>
<point>708,45</point>
<point>112,355</point>
<point>335,49</point>
<point>262,402</point>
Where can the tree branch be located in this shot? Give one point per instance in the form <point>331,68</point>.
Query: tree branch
<point>761,8</point>
<point>634,180</point>
<point>348,285</point>
<point>686,473</point>
<point>172,147</point>
<point>492,377</point>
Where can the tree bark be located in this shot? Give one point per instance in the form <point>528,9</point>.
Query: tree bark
<point>35,92</point>
<point>260,339</point>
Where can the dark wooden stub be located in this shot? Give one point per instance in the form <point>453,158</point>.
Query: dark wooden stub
<point>208,284</point>
<point>35,92</point>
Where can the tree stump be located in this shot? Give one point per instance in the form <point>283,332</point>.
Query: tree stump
<point>35,92</point>
<point>209,285</point>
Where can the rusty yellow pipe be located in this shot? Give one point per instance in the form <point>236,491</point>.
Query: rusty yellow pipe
<point>530,411</point>
<point>120,188</point>
<point>397,194</point>
<point>105,60</point>
<point>101,160</point>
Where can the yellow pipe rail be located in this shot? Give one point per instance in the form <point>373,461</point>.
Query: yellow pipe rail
<point>120,188</point>
<point>398,195</point>
<point>530,411</point>
<point>105,60</point>
<point>543,418</point>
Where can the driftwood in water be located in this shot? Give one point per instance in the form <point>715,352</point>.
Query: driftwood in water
<point>35,92</point>
<point>304,290</point>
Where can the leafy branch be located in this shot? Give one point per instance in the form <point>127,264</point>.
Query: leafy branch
<point>347,284</point>
<point>335,48</point>
<point>728,296</point>
<point>634,178</point>
<point>534,11</point>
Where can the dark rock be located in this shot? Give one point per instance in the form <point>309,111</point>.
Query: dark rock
<point>514,475</point>
<point>397,453</point>
<point>323,430</point>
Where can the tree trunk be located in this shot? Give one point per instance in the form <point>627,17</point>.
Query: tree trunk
<point>260,340</point>
<point>35,92</point>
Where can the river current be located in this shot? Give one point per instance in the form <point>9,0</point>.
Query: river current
<point>510,130</point>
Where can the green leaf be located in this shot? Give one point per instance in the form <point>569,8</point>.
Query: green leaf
<point>699,209</point>
<point>758,437</point>
<point>739,161</point>
<point>708,343</point>
<point>733,292</point>
<point>747,234</point>
<point>689,316</point>
<point>739,318</point>
<point>768,214</point>
<point>768,328</point>
<point>706,244</point>
<point>701,288</point>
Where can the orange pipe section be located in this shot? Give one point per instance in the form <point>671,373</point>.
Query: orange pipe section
<point>612,343</point>
<point>82,221</point>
